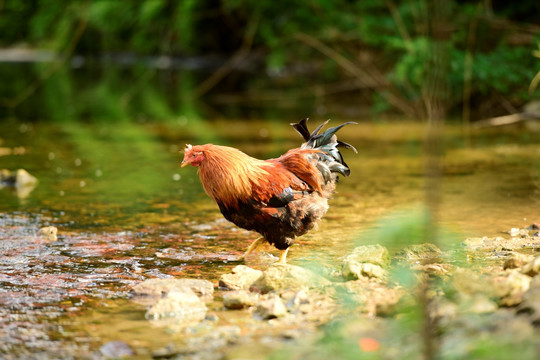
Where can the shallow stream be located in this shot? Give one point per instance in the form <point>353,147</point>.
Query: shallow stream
<point>126,212</point>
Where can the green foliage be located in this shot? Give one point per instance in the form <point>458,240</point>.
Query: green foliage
<point>57,95</point>
<point>184,23</point>
<point>396,38</point>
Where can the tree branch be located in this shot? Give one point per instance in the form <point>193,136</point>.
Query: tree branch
<point>372,80</point>
<point>238,57</point>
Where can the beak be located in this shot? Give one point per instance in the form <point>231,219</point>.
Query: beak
<point>184,163</point>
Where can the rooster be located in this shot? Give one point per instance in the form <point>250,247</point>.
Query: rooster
<point>278,198</point>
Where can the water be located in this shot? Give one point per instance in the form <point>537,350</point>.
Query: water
<point>126,212</point>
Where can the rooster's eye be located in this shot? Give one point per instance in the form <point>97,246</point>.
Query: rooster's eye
<point>193,155</point>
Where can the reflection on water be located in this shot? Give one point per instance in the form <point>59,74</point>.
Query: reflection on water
<point>126,211</point>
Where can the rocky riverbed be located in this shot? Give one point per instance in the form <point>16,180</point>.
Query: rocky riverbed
<point>483,297</point>
<point>290,309</point>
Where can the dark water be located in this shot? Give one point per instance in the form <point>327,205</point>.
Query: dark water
<point>125,212</point>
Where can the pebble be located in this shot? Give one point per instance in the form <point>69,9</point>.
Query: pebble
<point>116,349</point>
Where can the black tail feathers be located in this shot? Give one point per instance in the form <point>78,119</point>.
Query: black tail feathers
<point>332,160</point>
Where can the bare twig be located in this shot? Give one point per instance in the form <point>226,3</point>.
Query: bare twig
<point>534,83</point>
<point>366,79</point>
<point>238,57</point>
<point>404,33</point>
<point>506,104</point>
<point>399,21</point>
<point>536,79</point>
<point>467,80</point>
<point>507,119</point>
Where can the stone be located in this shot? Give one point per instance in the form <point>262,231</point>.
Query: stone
<point>474,243</point>
<point>150,291</point>
<point>181,304</point>
<point>20,177</point>
<point>433,269</point>
<point>48,233</point>
<point>116,350</point>
<point>530,306</point>
<point>532,268</point>
<point>469,283</point>
<point>424,253</point>
<point>516,260</point>
<point>374,297</point>
<point>299,298</point>
<point>478,304</point>
<point>238,299</point>
<point>301,302</point>
<point>366,261</point>
<point>271,307</point>
<point>241,278</point>
<point>373,254</point>
<point>443,310</point>
<point>500,243</point>
<point>357,270</point>
<point>283,277</point>
<point>23,178</point>
<point>514,232</point>
<point>508,286</point>
<point>511,287</point>
<point>22,182</point>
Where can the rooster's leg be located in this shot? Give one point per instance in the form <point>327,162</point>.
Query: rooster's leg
<point>254,245</point>
<point>283,256</point>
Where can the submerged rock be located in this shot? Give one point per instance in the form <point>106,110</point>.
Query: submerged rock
<point>532,268</point>
<point>469,283</point>
<point>116,349</point>
<point>181,304</point>
<point>298,299</point>
<point>479,304</point>
<point>366,261</point>
<point>280,277</point>
<point>443,310</point>
<point>516,260</point>
<point>373,254</point>
<point>352,270</point>
<point>374,297</point>
<point>238,299</point>
<point>150,291</point>
<point>423,253</point>
<point>271,307</point>
<point>530,305</point>
<point>434,269</point>
<point>511,288</point>
<point>241,278</point>
<point>311,306</point>
<point>475,243</point>
<point>506,286</point>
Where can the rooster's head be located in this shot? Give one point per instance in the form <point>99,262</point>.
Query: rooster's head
<point>192,155</point>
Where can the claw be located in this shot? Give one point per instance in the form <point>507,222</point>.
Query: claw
<point>254,245</point>
<point>283,257</point>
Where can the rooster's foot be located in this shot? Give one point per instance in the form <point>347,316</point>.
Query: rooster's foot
<point>254,245</point>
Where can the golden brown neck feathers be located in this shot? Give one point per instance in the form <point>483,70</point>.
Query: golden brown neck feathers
<point>228,175</point>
